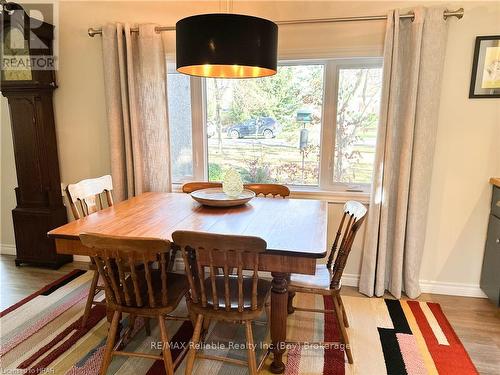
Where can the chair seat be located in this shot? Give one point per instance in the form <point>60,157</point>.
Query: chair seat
<point>320,280</point>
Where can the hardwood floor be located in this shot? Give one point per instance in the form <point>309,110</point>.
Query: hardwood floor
<point>475,320</point>
<point>19,282</point>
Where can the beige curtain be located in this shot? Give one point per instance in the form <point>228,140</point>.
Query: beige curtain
<point>136,100</point>
<point>413,62</point>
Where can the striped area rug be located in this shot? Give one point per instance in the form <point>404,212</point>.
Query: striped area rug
<point>42,334</point>
<point>386,337</point>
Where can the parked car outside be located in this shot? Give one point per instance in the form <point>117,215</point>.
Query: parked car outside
<point>266,127</point>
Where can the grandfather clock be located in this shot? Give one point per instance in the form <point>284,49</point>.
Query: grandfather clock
<point>28,83</point>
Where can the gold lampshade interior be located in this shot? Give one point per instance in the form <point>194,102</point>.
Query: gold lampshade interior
<point>226,71</point>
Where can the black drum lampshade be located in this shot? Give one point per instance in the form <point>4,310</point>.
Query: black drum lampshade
<point>226,46</point>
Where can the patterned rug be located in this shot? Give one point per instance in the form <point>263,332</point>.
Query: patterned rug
<point>42,334</point>
<point>386,337</point>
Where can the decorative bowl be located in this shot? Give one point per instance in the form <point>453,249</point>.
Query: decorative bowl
<point>215,197</point>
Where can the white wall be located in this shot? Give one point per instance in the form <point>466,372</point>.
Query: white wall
<point>467,155</point>
<point>8,180</point>
<point>468,130</point>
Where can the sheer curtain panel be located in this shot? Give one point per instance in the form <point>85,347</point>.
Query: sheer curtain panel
<point>136,100</point>
<point>413,61</point>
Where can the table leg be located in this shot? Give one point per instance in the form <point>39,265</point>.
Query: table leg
<point>279,302</point>
<point>291,295</point>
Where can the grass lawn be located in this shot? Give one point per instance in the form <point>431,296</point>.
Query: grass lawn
<point>280,160</point>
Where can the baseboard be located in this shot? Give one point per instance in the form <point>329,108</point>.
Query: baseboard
<point>433,287</point>
<point>452,289</point>
<point>81,258</point>
<point>350,279</point>
<point>7,249</point>
<point>178,265</point>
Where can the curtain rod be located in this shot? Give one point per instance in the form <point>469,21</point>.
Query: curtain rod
<point>459,13</point>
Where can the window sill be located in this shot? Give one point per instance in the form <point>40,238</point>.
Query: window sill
<point>177,187</point>
<point>330,195</point>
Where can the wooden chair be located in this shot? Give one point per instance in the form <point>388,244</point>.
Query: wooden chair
<point>327,280</point>
<point>269,189</point>
<point>264,189</point>
<point>223,296</point>
<point>189,187</point>
<point>137,282</point>
<point>86,197</point>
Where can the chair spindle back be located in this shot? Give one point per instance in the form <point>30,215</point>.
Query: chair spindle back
<point>353,216</point>
<point>126,265</point>
<point>215,252</point>
<point>88,196</point>
<point>258,189</point>
<point>269,189</point>
<point>189,187</point>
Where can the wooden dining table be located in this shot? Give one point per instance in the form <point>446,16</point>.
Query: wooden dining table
<point>295,231</point>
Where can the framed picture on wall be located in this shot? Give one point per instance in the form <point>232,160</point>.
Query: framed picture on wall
<point>485,80</point>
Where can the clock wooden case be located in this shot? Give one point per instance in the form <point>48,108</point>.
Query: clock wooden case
<point>29,93</point>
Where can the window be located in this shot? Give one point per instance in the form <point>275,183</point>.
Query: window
<point>358,105</point>
<point>254,126</point>
<point>312,126</point>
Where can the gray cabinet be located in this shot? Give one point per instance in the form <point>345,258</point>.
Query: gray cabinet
<point>490,274</point>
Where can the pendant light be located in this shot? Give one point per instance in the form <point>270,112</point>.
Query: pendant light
<point>222,45</point>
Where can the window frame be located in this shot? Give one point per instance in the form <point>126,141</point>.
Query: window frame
<point>328,147</point>
<point>326,188</point>
<point>195,119</point>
